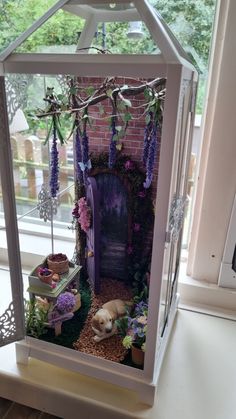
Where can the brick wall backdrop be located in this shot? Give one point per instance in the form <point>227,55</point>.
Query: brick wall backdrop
<point>100,132</point>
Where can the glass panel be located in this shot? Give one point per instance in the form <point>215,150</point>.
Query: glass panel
<point>124,38</point>
<point>120,194</point>
<point>14,20</point>
<point>58,35</point>
<point>61,33</point>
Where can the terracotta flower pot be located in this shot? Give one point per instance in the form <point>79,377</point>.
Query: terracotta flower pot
<point>137,355</point>
<point>47,279</point>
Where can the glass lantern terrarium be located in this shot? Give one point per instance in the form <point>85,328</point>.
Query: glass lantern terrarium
<point>130,116</point>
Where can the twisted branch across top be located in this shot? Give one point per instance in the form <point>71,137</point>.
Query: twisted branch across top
<point>108,89</point>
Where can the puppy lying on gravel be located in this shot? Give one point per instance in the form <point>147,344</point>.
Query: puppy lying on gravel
<point>103,323</point>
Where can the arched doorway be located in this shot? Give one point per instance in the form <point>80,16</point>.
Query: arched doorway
<point>114,231</point>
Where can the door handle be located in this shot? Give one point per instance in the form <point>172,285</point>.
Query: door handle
<point>90,254</point>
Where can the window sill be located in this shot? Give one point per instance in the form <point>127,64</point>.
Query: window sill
<point>205,297</point>
<point>35,245</point>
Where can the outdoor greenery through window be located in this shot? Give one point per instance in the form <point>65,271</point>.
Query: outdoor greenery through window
<point>190,20</point>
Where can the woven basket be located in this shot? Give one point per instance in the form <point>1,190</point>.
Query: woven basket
<point>58,267</point>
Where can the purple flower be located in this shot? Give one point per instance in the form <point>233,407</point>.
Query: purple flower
<point>129,249</point>
<point>129,165</point>
<point>142,194</point>
<point>112,148</point>
<point>65,302</point>
<point>85,148</point>
<point>54,163</point>
<point>136,227</point>
<point>141,308</point>
<point>151,157</point>
<point>78,155</point>
<point>146,142</point>
<point>44,271</point>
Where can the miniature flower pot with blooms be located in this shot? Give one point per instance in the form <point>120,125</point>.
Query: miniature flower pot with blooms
<point>136,332</point>
<point>58,263</point>
<point>45,275</point>
<point>137,355</point>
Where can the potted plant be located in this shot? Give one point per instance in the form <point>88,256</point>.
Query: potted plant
<point>45,275</point>
<point>135,327</point>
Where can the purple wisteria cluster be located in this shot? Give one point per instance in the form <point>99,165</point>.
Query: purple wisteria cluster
<point>54,163</point>
<point>152,151</point>
<point>85,147</point>
<point>112,148</point>
<point>147,135</point>
<point>78,155</point>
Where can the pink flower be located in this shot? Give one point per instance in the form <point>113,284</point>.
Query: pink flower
<point>129,249</point>
<point>142,194</point>
<point>136,227</point>
<point>84,214</point>
<point>129,165</point>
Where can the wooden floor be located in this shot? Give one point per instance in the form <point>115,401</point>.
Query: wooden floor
<point>12,410</point>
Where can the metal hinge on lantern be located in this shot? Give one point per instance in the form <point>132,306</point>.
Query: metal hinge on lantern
<point>176,218</point>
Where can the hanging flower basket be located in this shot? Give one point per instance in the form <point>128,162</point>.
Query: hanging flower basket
<point>58,263</point>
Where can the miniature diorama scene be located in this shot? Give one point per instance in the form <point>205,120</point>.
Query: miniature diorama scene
<point>97,301</point>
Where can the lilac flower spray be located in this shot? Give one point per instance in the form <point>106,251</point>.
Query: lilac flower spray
<point>54,163</point>
<point>151,155</point>
<point>147,138</point>
<point>78,154</point>
<point>112,148</point>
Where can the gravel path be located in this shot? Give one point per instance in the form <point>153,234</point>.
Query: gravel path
<point>111,348</point>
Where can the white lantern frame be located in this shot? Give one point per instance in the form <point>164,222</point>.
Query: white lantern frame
<point>173,64</point>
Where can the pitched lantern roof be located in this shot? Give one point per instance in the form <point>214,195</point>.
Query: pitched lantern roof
<point>169,50</point>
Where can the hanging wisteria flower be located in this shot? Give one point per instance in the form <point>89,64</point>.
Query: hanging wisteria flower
<point>78,155</point>
<point>151,157</point>
<point>54,164</point>
<point>112,148</point>
<point>84,214</point>
<point>147,135</point>
<point>85,148</point>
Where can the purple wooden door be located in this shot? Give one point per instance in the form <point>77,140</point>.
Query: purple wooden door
<point>93,236</point>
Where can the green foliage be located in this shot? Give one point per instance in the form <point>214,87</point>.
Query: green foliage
<point>35,318</point>
<point>61,29</point>
<point>191,21</point>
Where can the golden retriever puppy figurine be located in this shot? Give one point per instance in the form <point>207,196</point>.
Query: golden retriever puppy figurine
<point>103,323</point>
